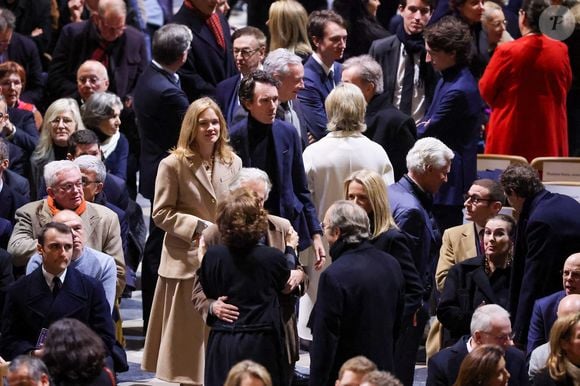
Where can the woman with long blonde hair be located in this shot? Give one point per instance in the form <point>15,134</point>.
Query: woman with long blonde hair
<point>287,23</point>
<point>190,183</point>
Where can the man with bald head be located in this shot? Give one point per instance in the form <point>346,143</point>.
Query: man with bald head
<point>86,260</point>
<point>104,38</point>
<point>544,313</point>
<point>92,77</point>
<point>568,305</point>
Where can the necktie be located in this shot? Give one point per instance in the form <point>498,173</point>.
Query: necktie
<point>408,82</point>
<point>213,22</point>
<point>56,286</point>
<point>100,54</point>
<point>329,82</point>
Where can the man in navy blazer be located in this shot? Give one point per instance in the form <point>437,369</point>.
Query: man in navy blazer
<point>208,62</point>
<point>50,293</point>
<point>322,72</point>
<point>548,229</point>
<point>361,280</point>
<point>264,142</point>
<point>249,47</point>
<point>490,324</point>
<point>454,116</point>
<point>411,199</point>
<point>10,196</point>
<point>160,105</point>
<point>104,38</point>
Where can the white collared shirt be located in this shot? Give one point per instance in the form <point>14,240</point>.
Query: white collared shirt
<point>49,276</point>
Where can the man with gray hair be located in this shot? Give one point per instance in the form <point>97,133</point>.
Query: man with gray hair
<point>26,370</point>
<point>280,235</point>
<point>92,77</point>
<point>411,199</point>
<point>287,69</point>
<point>64,187</point>
<point>490,324</point>
<point>360,281</point>
<point>386,125</point>
<point>159,105</point>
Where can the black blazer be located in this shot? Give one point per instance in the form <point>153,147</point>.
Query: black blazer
<point>24,51</point>
<point>444,366</point>
<point>466,288</point>
<point>392,129</point>
<point>30,307</point>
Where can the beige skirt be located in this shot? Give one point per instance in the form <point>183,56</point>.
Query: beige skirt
<point>176,337</point>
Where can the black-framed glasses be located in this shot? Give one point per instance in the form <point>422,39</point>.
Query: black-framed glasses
<point>245,52</point>
<point>475,199</point>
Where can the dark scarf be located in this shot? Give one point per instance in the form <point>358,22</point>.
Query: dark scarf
<point>340,247</point>
<point>414,44</point>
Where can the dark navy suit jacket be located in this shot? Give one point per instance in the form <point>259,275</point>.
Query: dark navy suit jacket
<point>414,219</point>
<point>454,117</point>
<point>116,162</point>
<point>444,366</point>
<point>543,318</point>
<point>30,307</point>
<point>159,106</point>
<point>314,94</point>
<point>547,234</point>
<point>115,190</point>
<point>295,202</point>
<point>207,63</point>
<point>23,51</point>
<point>10,200</point>
<point>357,312</point>
<point>226,95</point>
<point>26,135</point>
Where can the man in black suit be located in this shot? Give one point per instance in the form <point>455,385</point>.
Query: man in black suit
<point>160,105</point>
<point>106,39</point>
<point>548,229</point>
<point>50,293</point>
<point>360,281</point>
<point>92,77</point>
<point>210,58</point>
<point>287,69</point>
<point>390,128</point>
<point>409,82</point>
<point>10,198</point>
<point>22,50</point>
<point>490,324</point>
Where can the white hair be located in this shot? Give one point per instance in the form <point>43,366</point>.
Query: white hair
<point>483,317</point>
<point>94,164</point>
<point>426,152</point>
<point>54,168</point>
<point>251,174</point>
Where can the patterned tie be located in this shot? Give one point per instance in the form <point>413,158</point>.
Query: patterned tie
<point>213,22</point>
<point>56,286</point>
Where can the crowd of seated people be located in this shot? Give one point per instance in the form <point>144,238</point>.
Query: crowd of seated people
<point>102,99</point>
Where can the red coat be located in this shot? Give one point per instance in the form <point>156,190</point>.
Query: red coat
<point>525,84</point>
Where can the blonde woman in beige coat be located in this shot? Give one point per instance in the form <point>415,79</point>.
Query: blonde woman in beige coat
<point>190,182</point>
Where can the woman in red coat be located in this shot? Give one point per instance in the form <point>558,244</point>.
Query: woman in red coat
<point>525,84</point>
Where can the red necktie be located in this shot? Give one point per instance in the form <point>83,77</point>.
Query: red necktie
<point>213,22</point>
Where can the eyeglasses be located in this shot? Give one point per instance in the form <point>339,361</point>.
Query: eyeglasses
<point>245,52</point>
<point>3,115</point>
<point>475,199</point>
<point>574,275</point>
<point>87,182</point>
<point>66,120</point>
<point>502,338</point>
<point>71,186</point>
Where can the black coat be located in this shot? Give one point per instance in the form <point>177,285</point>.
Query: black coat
<point>23,51</point>
<point>467,287</point>
<point>357,311</point>
<point>251,280</point>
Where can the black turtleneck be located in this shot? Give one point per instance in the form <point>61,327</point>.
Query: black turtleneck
<point>60,152</point>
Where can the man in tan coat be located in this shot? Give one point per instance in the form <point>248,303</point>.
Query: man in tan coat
<point>280,235</point>
<point>484,200</point>
<point>65,191</point>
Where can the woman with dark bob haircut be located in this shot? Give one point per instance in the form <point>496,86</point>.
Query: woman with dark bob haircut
<point>75,355</point>
<point>250,275</point>
<point>484,366</point>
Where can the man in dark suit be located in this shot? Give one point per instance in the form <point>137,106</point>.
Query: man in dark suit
<point>490,324</point>
<point>545,309</point>
<point>390,128</point>
<point>287,69</point>
<point>160,105</point>
<point>404,53</point>
<point>106,39</point>
<point>454,116</point>
<point>210,59</point>
<point>22,50</point>
<point>411,199</point>
<point>360,281</point>
<point>10,197</point>
<point>322,72</point>
<point>50,293</point>
<point>92,77</point>
<point>249,45</point>
<point>280,156</point>
<point>548,229</point>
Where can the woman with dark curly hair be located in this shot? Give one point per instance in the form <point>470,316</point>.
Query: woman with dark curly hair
<point>75,355</point>
<point>484,366</point>
<point>250,275</point>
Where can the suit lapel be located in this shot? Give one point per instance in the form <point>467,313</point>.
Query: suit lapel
<point>203,32</point>
<point>70,299</point>
<point>281,151</point>
<point>482,282</point>
<point>194,163</point>
<point>275,236</point>
<point>40,298</point>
